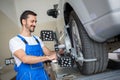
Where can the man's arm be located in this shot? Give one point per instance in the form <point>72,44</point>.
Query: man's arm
<point>32,59</point>
<point>47,51</point>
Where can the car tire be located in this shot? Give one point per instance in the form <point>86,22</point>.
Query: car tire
<point>89,48</point>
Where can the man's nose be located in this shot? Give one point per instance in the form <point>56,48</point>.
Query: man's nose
<point>34,23</point>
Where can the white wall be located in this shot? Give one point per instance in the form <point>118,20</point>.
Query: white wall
<point>8,8</point>
<point>39,6</point>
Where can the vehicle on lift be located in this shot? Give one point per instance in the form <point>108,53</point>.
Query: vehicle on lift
<point>91,30</point>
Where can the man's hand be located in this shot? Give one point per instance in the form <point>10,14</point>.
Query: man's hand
<point>52,57</point>
<point>61,51</point>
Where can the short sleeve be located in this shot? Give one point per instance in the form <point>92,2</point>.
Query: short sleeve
<point>15,44</point>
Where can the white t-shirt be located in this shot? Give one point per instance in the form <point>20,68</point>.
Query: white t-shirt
<point>16,43</point>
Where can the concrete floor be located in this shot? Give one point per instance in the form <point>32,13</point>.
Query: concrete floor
<point>65,73</point>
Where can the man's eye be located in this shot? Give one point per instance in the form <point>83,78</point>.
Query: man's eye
<point>34,21</point>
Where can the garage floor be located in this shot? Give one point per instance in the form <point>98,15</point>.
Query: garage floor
<point>59,73</point>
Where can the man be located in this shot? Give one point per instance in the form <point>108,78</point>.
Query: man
<point>28,50</point>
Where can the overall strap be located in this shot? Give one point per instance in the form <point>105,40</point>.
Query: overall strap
<point>26,41</point>
<point>36,39</point>
<point>22,39</point>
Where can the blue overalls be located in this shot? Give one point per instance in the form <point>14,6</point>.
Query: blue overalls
<point>31,71</point>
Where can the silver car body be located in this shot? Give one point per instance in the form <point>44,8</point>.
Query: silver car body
<point>100,18</point>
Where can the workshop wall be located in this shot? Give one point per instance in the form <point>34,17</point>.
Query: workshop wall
<point>10,11</point>
<point>7,29</point>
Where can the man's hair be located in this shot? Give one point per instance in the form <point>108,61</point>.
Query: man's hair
<point>25,14</point>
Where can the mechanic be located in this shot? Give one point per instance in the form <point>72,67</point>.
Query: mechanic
<point>29,51</point>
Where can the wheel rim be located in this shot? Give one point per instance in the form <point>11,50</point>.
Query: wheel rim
<point>77,44</point>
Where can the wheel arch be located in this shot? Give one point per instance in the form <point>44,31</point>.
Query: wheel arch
<point>68,7</point>
<point>67,10</point>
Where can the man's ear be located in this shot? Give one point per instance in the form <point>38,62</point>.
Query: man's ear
<point>23,21</point>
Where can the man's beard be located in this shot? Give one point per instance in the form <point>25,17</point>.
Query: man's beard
<point>32,28</point>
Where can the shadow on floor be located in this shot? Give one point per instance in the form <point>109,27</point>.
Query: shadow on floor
<point>114,65</point>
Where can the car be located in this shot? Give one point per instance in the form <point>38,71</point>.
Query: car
<point>90,29</point>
